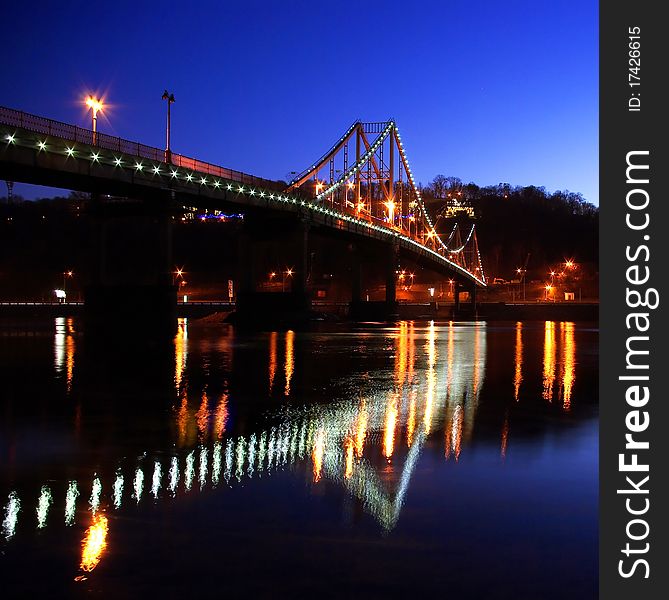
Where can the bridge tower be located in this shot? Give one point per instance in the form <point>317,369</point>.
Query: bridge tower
<point>129,272</point>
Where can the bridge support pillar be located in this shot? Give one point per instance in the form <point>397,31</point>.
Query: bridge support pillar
<point>289,251</point>
<point>129,279</point>
<point>391,282</point>
<point>456,296</point>
<point>356,280</point>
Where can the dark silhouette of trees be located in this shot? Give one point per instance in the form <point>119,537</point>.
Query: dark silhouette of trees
<point>513,222</point>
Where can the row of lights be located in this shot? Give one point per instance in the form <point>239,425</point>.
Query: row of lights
<point>391,125</point>
<point>343,137</point>
<point>97,105</point>
<point>139,166</point>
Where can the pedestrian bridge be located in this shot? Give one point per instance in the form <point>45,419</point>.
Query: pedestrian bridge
<point>363,186</point>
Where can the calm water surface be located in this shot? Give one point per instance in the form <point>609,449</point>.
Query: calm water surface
<point>457,459</point>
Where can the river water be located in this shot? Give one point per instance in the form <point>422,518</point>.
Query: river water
<point>372,461</point>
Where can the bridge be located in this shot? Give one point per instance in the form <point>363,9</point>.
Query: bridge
<point>362,191</point>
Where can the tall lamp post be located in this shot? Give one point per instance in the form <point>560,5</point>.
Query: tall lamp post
<point>95,104</point>
<point>521,272</point>
<point>286,273</point>
<point>170,98</point>
<point>66,274</point>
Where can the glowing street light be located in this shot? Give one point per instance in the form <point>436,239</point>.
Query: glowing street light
<point>522,272</point>
<point>170,99</point>
<point>286,273</point>
<point>390,205</point>
<point>95,104</point>
<point>67,274</point>
<point>178,273</point>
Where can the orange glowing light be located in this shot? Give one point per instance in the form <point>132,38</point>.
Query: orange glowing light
<point>272,358</point>
<point>568,364</point>
<point>202,417</point>
<point>518,375</point>
<point>349,458</point>
<point>411,421</point>
<point>94,103</point>
<point>361,431</point>
<point>389,428</point>
<point>317,455</point>
<point>221,416</point>
<point>290,359</point>
<point>549,361</point>
<point>94,543</point>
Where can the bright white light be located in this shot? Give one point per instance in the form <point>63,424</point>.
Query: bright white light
<point>11,515</point>
<point>96,490</point>
<point>138,484</point>
<point>204,458</point>
<point>174,474</point>
<point>190,470</point>
<point>118,490</point>
<point>155,481</point>
<point>228,461</point>
<point>71,502</point>
<point>43,504</point>
<point>216,464</point>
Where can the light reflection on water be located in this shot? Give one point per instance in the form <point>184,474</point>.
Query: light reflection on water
<point>335,433</point>
<point>359,440</point>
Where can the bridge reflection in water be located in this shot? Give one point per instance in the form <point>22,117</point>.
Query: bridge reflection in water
<point>368,441</point>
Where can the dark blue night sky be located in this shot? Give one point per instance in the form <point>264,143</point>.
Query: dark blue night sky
<point>486,91</point>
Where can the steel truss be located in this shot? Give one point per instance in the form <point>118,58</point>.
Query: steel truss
<point>377,185</point>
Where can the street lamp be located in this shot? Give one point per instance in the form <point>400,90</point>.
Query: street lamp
<point>178,273</point>
<point>521,272</point>
<point>95,104</point>
<point>170,98</point>
<point>65,275</point>
<point>286,273</point>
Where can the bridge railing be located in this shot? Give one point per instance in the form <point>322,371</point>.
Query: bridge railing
<point>73,133</point>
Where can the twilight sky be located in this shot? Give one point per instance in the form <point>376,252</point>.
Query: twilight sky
<point>487,91</point>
